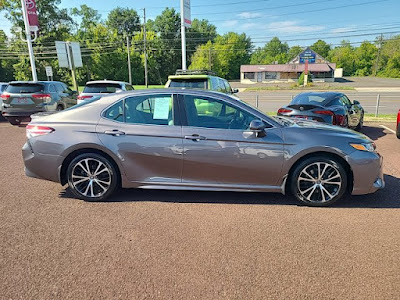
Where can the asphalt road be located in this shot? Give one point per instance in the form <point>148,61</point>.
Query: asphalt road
<point>195,245</point>
<point>271,101</point>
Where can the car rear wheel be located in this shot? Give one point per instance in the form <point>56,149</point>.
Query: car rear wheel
<point>59,107</point>
<point>92,177</point>
<point>14,121</point>
<point>319,181</point>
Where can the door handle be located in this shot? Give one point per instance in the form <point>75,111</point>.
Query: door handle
<point>114,132</point>
<point>195,137</point>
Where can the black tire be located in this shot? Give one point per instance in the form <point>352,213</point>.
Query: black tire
<point>398,131</point>
<point>60,107</point>
<point>361,123</point>
<point>93,186</point>
<point>14,121</point>
<point>314,190</point>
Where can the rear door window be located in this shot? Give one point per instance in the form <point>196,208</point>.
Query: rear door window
<point>221,86</point>
<point>106,88</point>
<point>189,83</point>
<point>24,88</point>
<point>227,87</point>
<point>52,88</point>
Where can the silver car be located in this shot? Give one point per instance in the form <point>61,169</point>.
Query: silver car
<point>197,140</point>
<point>99,88</point>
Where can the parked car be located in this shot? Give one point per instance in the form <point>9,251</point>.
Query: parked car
<point>102,87</point>
<point>3,86</point>
<point>21,99</point>
<point>199,79</point>
<point>197,140</point>
<point>398,125</point>
<point>328,107</point>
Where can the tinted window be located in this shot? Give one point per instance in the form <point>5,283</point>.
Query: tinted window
<point>345,100</point>
<point>106,88</point>
<point>25,88</point>
<point>211,113</point>
<point>214,83</point>
<point>312,99</point>
<point>221,85</point>
<point>129,87</point>
<point>52,88</point>
<point>189,83</point>
<point>156,110</point>
<point>336,101</point>
<point>60,88</point>
<point>227,86</point>
<point>115,112</point>
<point>2,87</point>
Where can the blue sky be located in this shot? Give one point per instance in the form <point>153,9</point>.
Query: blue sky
<point>297,22</point>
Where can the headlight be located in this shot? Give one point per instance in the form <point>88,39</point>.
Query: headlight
<point>370,147</point>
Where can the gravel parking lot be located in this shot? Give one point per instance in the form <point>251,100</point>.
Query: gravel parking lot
<point>195,245</point>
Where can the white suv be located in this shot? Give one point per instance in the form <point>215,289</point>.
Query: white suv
<point>100,87</point>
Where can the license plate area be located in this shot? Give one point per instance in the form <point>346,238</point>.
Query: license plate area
<point>22,101</point>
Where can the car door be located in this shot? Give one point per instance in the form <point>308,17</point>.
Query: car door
<point>52,90</point>
<point>145,133</point>
<point>354,112</point>
<point>220,152</point>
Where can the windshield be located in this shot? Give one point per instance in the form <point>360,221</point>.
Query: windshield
<point>24,88</point>
<point>311,99</point>
<point>189,83</point>
<point>106,88</point>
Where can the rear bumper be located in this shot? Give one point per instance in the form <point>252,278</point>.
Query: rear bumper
<point>19,113</point>
<point>42,166</point>
<point>367,172</point>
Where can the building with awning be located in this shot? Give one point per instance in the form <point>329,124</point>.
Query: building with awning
<point>318,67</point>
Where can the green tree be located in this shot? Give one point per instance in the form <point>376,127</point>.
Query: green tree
<point>344,57</point>
<point>294,51</point>
<point>273,51</point>
<point>365,56</point>
<point>321,47</point>
<point>89,17</point>
<point>124,20</point>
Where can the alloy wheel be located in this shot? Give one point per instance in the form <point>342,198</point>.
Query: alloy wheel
<point>91,178</point>
<point>319,182</point>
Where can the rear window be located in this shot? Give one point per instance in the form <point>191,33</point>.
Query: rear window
<point>189,83</point>
<point>24,88</point>
<point>106,88</point>
<point>309,99</point>
<point>2,87</point>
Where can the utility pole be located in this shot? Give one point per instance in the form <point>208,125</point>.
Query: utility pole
<point>145,50</point>
<point>29,40</point>
<point>129,59</point>
<point>379,54</point>
<point>209,59</point>
<point>183,37</point>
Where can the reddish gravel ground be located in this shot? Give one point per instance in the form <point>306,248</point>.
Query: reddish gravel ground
<point>195,245</point>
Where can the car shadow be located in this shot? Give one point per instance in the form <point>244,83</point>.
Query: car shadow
<point>343,80</point>
<point>386,198</point>
<point>373,133</point>
<point>2,119</point>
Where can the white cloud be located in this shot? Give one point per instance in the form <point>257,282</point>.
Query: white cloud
<point>249,15</point>
<point>292,27</point>
<point>250,25</point>
<point>343,29</point>
<point>230,23</point>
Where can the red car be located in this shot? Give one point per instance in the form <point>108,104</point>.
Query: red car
<point>398,125</point>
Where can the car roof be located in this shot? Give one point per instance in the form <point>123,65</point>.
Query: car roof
<point>200,76</point>
<point>33,82</point>
<point>107,81</point>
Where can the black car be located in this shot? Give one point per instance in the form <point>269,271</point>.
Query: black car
<point>21,99</point>
<point>328,107</point>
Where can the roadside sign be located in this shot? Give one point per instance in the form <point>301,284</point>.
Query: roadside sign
<point>32,13</point>
<point>186,14</point>
<point>49,71</point>
<point>62,54</point>
<point>64,49</point>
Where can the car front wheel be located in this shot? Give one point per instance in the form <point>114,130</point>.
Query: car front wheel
<point>92,177</point>
<point>318,181</point>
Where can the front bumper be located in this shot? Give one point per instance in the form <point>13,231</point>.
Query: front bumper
<point>367,170</point>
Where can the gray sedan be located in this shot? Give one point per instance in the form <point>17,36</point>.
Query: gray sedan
<point>197,140</point>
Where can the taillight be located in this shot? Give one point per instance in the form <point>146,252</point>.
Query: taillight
<point>339,120</point>
<point>83,97</point>
<point>33,130</point>
<point>284,110</point>
<point>4,97</point>
<point>324,112</point>
<point>43,97</point>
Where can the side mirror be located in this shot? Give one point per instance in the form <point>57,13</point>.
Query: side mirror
<point>356,102</point>
<point>234,91</point>
<point>258,127</point>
